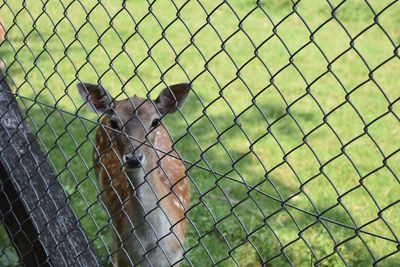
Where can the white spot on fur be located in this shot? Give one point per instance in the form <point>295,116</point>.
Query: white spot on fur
<point>181,187</point>
<point>181,199</point>
<point>176,203</point>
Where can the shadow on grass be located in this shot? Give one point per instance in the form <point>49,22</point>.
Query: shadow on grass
<point>231,220</point>
<point>234,222</point>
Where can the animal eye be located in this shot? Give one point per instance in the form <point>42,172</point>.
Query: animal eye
<point>155,122</point>
<point>114,124</point>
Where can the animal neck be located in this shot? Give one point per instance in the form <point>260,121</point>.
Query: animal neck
<point>147,184</point>
<point>136,177</point>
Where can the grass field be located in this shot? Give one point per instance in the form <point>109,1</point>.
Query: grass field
<point>296,114</point>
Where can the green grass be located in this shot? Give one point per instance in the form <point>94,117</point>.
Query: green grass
<point>301,137</point>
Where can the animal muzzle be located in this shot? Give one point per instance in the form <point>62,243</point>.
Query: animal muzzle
<point>133,160</point>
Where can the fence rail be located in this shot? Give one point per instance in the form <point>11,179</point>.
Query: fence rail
<point>290,133</point>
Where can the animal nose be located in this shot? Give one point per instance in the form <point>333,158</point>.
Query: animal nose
<point>133,160</point>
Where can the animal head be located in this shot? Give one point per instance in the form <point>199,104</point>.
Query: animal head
<point>134,120</point>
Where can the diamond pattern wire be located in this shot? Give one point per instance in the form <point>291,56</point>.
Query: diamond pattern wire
<point>290,134</point>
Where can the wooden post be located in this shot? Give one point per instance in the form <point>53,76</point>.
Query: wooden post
<point>18,225</point>
<point>33,204</point>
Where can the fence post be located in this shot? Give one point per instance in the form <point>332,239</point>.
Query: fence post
<point>33,204</point>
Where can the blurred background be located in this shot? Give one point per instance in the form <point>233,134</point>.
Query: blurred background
<point>291,133</point>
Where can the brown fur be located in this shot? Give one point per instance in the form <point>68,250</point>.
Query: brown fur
<point>164,174</point>
<point>115,184</point>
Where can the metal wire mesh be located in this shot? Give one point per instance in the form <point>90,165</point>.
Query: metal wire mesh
<point>290,134</point>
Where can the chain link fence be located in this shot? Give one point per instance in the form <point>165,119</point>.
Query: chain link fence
<point>290,134</point>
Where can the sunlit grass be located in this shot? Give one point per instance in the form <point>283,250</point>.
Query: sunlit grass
<point>292,111</point>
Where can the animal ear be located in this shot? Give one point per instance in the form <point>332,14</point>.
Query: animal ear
<point>96,97</point>
<point>172,98</point>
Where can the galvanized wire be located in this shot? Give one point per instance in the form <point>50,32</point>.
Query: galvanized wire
<point>290,212</point>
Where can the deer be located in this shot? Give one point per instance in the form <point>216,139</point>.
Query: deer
<point>143,182</point>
